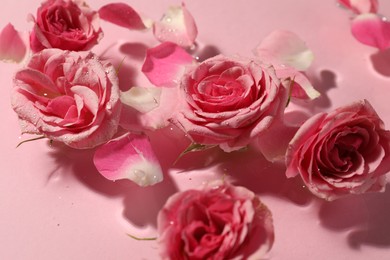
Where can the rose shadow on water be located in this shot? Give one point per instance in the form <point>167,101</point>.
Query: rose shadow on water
<point>381,62</point>
<point>250,169</point>
<point>366,216</point>
<point>323,82</point>
<point>206,52</point>
<point>126,58</point>
<point>79,164</point>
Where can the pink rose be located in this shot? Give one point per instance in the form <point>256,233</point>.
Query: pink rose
<point>344,152</point>
<point>66,96</point>
<point>229,101</point>
<point>222,222</point>
<point>65,24</point>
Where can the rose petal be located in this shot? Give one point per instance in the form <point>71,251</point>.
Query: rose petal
<point>372,30</point>
<point>273,144</point>
<point>177,25</point>
<point>123,15</point>
<point>285,47</point>
<point>129,156</point>
<point>142,99</point>
<point>297,82</point>
<point>165,63</point>
<point>360,6</point>
<point>12,46</point>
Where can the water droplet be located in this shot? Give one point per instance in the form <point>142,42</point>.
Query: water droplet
<point>171,222</point>
<point>197,58</point>
<point>168,19</point>
<point>45,94</point>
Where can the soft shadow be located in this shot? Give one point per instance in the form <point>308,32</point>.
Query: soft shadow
<point>381,62</point>
<point>250,169</point>
<point>141,205</point>
<point>125,58</point>
<point>367,216</point>
<point>206,52</point>
<point>323,82</point>
<point>134,50</point>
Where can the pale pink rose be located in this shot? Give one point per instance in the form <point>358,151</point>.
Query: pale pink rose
<point>65,24</point>
<point>344,152</point>
<point>220,222</point>
<point>71,97</point>
<point>228,101</point>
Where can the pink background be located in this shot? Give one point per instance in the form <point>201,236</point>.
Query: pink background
<point>54,205</point>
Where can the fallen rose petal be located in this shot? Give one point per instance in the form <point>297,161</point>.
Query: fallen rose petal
<point>12,46</point>
<point>123,15</point>
<point>178,26</point>
<point>285,47</point>
<point>372,30</point>
<point>142,99</point>
<point>360,6</point>
<point>129,156</point>
<point>297,82</point>
<point>165,63</point>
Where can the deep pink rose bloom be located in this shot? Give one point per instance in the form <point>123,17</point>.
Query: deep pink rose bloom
<point>229,101</point>
<point>65,24</point>
<point>66,96</point>
<point>344,152</point>
<point>222,222</point>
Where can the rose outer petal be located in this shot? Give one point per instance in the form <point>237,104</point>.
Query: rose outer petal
<point>372,30</point>
<point>177,25</point>
<point>165,63</point>
<point>129,156</point>
<point>12,46</point>
<point>123,15</point>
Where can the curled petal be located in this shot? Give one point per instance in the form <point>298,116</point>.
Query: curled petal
<point>123,15</point>
<point>129,156</point>
<point>360,6</point>
<point>285,47</point>
<point>165,64</point>
<point>297,82</point>
<point>372,30</point>
<point>142,99</point>
<point>12,46</point>
<point>178,26</point>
